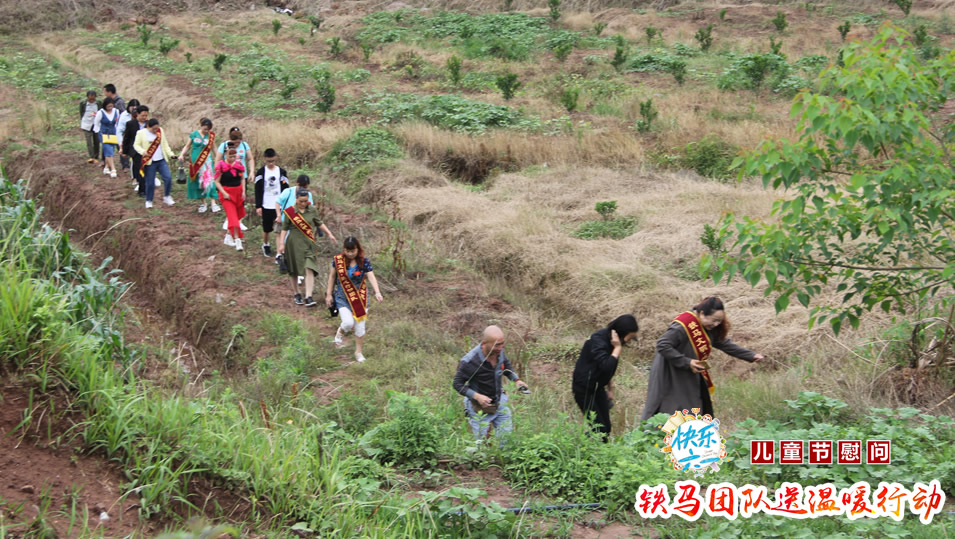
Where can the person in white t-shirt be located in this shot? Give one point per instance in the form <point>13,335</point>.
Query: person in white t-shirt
<point>155,160</point>
<point>270,181</point>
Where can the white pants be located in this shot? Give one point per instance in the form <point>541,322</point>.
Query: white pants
<point>348,322</point>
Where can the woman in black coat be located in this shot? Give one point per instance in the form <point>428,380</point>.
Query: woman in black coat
<point>593,374</point>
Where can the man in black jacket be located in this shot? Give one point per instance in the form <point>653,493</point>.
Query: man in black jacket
<point>270,181</point>
<point>479,380</point>
<point>129,136</point>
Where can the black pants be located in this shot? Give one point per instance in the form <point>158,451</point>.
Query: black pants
<point>705,396</point>
<point>137,161</point>
<point>599,404</point>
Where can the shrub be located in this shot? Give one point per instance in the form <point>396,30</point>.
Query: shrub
<point>364,146</point>
<point>779,21</point>
<point>677,68</point>
<point>145,32</point>
<point>316,23</point>
<point>652,32</point>
<point>620,54</point>
<point>750,71</point>
<point>454,70</point>
<point>920,35</point>
<point>410,436</point>
<point>276,26</point>
<point>366,50</point>
<point>606,209</point>
<point>710,157</point>
<point>775,47</point>
<point>508,85</point>
<point>704,36</point>
<point>188,56</point>
<point>324,89</point>
<point>167,45</point>
<point>446,111</point>
<point>554,6</point>
<point>904,5</point>
<point>614,229</point>
<point>844,29</point>
<point>335,46</point>
<point>599,28</point>
<point>569,98</point>
<point>647,116</point>
<point>563,50</point>
<point>288,87</point>
<point>218,60</point>
<point>711,239</point>
<point>722,14</point>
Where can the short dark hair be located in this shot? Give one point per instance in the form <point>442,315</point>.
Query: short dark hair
<point>108,101</point>
<point>301,192</point>
<point>206,121</point>
<point>303,180</point>
<point>235,134</point>
<point>132,104</point>
<point>90,92</point>
<point>269,152</point>
<point>624,325</point>
<point>152,122</point>
<point>110,88</point>
<point>142,108</point>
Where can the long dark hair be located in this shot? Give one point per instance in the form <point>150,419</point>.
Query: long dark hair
<point>624,325</point>
<point>709,306</point>
<point>351,242</point>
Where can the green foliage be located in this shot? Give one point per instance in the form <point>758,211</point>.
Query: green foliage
<point>684,51</point>
<point>844,29</point>
<point>904,5</point>
<point>569,98</point>
<point>710,157</point>
<point>619,57</point>
<point>288,87</point>
<point>750,71</point>
<point>869,189</point>
<point>254,81</point>
<point>366,50</point>
<point>446,111</point>
<point>335,47</point>
<point>554,7</point>
<point>722,14</point>
<point>599,28</point>
<point>775,47</point>
<point>648,114</point>
<point>145,32</point>
<point>563,50</point>
<point>658,60</point>
<point>712,241</point>
<point>316,22</point>
<point>324,89</point>
<point>779,21</point>
<point>615,229</point>
<point>188,56</point>
<point>920,35</point>
<point>276,26</point>
<point>652,32</point>
<point>454,69</point>
<point>410,436</point>
<point>677,68</point>
<point>167,45</point>
<point>704,36</point>
<point>364,146</point>
<point>606,209</point>
<point>508,85</point>
<point>219,60</point>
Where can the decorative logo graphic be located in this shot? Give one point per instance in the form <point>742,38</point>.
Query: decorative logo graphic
<point>693,442</point>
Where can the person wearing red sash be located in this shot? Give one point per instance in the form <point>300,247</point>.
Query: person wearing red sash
<point>348,291</point>
<point>199,150</point>
<point>230,182</point>
<point>679,376</point>
<point>299,239</point>
<point>152,145</point>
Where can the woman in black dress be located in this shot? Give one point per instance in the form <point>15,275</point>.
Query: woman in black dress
<point>593,374</point>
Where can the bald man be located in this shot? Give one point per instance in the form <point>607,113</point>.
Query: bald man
<point>479,380</point>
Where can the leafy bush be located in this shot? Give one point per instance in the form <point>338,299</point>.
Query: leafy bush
<point>775,47</point>
<point>454,70</point>
<point>658,60</point>
<point>844,29</point>
<point>652,32</point>
<point>335,47</point>
<point>167,45</point>
<point>684,51</point>
<point>554,6</point>
<point>677,68</point>
<point>606,209</point>
<point>218,60</point>
<point>711,239</point>
<point>599,28</point>
<point>362,147</point>
<point>324,89</point>
<point>614,229</point>
<point>647,116</point>
<point>750,71</point>
<point>446,111</point>
<point>710,157</point>
<point>779,21</point>
<point>145,32</point>
<point>276,26</point>
<point>904,5</point>
<point>569,98</point>
<point>704,36</point>
<point>508,85</point>
<point>410,436</point>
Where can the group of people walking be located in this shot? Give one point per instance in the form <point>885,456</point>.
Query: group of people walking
<point>217,178</point>
<point>679,376</point>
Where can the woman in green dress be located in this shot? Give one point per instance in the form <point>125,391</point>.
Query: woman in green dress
<point>299,236</point>
<point>200,150</point>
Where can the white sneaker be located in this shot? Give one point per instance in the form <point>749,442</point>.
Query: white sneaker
<point>339,336</point>
<point>216,208</point>
<point>135,186</point>
<point>359,358</point>
<point>112,174</point>
<point>158,182</point>
<point>168,201</point>
<point>242,226</point>
<point>105,170</point>
<point>238,244</point>
<point>202,209</point>
<point>149,205</point>
<point>228,240</point>
<point>225,225</point>
<point>301,279</point>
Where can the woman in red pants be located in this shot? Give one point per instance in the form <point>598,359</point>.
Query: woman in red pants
<point>230,181</point>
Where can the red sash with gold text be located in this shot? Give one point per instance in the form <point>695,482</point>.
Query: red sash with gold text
<point>300,222</point>
<point>148,156</point>
<point>357,299</point>
<point>203,155</point>
<point>700,341</point>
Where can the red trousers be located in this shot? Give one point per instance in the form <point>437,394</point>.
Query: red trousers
<point>234,207</point>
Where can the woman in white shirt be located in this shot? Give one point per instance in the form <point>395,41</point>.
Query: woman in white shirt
<point>106,124</point>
